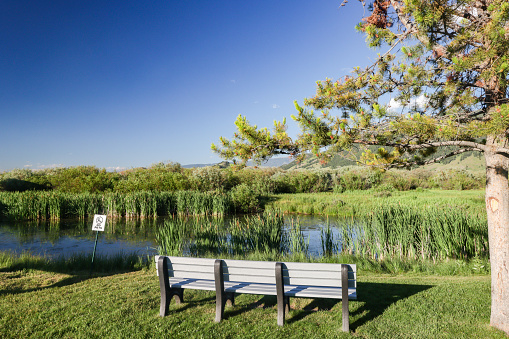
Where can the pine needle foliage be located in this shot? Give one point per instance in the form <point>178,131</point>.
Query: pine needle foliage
<point>439,80</point>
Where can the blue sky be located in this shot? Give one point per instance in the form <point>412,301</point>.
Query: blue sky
<point>121,84</point>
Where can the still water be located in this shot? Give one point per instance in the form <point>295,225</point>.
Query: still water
<point>65,238</point>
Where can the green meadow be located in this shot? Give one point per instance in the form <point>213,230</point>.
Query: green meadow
<point>362,202</point>
<point>422,252</point>
<point>43,299</point>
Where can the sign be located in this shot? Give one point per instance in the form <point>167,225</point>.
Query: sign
<point>99,222</point>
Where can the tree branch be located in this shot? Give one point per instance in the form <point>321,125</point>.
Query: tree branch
<point>462,143</point>
<point>435,160</point>
<point>404,19</point>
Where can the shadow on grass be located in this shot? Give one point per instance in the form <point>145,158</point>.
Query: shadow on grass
<point>374,299</point>
<point>78,269</point>
<point>64,282</point>
<point>314,306</point>
<point>377,297</point>
<point>187,304</point>
<point>267,301</point>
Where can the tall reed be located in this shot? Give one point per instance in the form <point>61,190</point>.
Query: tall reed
<point>395,231</point>
<point>204,235</point>
<point>32,205</point>
<point>329,245</point>
<point>171,237</point>
<point>296,242</point>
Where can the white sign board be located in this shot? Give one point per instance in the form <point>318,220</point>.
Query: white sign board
<point>99,222</point>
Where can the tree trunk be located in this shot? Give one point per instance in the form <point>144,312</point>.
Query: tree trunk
<point>497,208</point>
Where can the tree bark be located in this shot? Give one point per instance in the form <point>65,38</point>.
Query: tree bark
<point>497,208</point>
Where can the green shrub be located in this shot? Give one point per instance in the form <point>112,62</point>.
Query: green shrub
<point>159,177</point>
<point>82,179</point>
<point>244,198</point>
<point>20,180</point>
<point>456,180</point>
<point>210,179</point>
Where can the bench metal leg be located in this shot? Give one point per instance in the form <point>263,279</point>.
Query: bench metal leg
<point>220,295</point>
<point>167,292</point>
<point>344,296</point>
<point>280,290</point>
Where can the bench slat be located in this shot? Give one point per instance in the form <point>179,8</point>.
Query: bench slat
<point>316,282</point>
<point>302,266</point>
<point>191,268</point>
<point>248,271</point>
<point>192,275</point>
<point>268,265</point>
<point>246,288</point>
<point>191,261</point>
<point>318,274</point>
<point>193,284</point>
<point>317,292</point>
<point>265,289</point>
<point>251,278</point>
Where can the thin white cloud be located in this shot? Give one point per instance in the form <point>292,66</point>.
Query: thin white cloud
<point>275,106</point>
<point>39,166</point>
<point>419,103</point>
<point>115,169</point>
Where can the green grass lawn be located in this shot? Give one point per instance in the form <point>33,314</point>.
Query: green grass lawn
<point>44,304</point>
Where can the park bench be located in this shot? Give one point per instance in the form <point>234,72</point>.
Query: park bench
<point>227,277</point>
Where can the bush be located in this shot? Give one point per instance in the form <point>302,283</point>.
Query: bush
<point>211,179</point>
<point>244,198</point>
<point>152,179</point>
<point>358,180</point>
<point>82,179</point>
<point>456,180</point>
<point>20,180</point>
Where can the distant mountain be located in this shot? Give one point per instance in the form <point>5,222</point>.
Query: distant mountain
<point>471,161</point>
<point>197,165</point>
<point>274,162</point>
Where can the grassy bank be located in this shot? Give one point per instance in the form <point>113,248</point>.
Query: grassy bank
<point>357,203</point>
<point>55,205</point>
<point>53,301</point>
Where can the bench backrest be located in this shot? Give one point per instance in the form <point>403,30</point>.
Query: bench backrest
<point>191,268</point>
<point>294,273</point>
<point>317,274</point>
<point>233,270</point>
<point>262,272</point>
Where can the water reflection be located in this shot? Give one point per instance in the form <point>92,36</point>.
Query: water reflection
<point>121,236</point>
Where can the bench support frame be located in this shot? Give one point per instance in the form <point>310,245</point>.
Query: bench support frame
<point>283,302</point>
<point>167,292</point>
<point>222,298</point>
<point>344,298</point>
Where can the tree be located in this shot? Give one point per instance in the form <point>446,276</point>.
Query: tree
<point>440,82</point>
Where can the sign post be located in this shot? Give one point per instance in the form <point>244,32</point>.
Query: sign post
<point>97,226</point>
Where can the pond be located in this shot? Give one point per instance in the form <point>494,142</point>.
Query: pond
<point>65,238</point>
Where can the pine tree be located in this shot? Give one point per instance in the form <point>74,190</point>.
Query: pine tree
<point>441,81</point>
